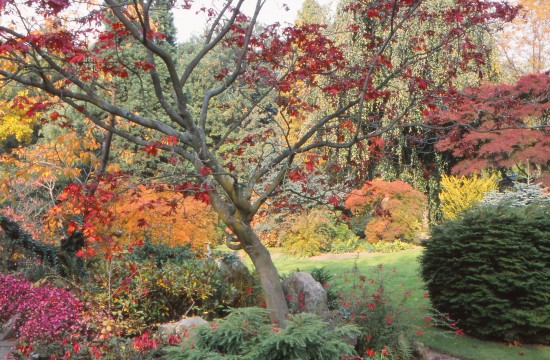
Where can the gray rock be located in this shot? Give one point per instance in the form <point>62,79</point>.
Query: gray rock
<point>420,352</point>
<point>189,323</point>
<point>179,327</point>
<point>7,330</point>
<point>6,348</point>
<point>237,270</point>
<point>305,294</point>
<point>167,329</point>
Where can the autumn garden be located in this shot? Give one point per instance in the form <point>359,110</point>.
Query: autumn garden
<point>370,181</point>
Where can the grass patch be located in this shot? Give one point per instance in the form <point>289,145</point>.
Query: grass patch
<point>401,271</point>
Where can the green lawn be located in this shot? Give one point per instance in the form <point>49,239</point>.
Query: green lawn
<point>401,274</point>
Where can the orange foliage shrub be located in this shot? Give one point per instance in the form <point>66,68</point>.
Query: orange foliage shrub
<point>390,209</point>
<point>164,217</point>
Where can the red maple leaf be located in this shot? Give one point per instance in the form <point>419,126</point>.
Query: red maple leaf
<point>205,171</point>
<point>151,149</point>
<point>311,162</point>
<point>334,200</point>
<point>142,223</point>
<point>170,140</point>
<point>77,58</point>
<point>297,175</point>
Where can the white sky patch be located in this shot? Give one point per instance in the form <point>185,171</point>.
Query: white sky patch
<point>190,23</point>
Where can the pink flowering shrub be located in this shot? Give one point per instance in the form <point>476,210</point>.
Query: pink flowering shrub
<point>52,322</point>
<point>96,346</point>
<point>44,312</point>
<point>12,290</point>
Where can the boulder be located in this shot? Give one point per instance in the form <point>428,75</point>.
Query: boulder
<point>238,271</point>
<point>421,352</point>
<point>7,330</point>
<point>189,323</point>
<point>167,329</point>
<point>305,294</point>
<point>180,327</point>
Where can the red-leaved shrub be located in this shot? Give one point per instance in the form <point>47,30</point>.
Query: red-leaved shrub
<point>44,312</point>
<point>387,210</point>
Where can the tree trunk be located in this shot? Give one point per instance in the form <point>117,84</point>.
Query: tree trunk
<point>269,276</point>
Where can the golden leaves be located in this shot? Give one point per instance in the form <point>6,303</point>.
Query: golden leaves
<point>14,119</point>
<point>164,217</point>
<point>460,193</point>
<point>45,164</point>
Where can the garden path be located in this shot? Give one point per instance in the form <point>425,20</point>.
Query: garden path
<point>5,347</point>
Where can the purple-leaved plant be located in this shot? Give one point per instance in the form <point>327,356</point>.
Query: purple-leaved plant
<point>45,312</point>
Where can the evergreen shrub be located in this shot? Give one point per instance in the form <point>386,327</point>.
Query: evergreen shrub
<point>324,277</point>
<point>518,195</point>
<point>162,253</point>
<point>489,270</point>
<point>247,333</point>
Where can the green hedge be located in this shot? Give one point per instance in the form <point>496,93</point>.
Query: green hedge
<point>490,271</point>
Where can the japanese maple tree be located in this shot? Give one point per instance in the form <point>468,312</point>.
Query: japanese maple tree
<point>497,126</point>
<point>387,210</point>
<point>269,68</point>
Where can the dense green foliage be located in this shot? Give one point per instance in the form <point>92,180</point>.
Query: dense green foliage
<point>489,270</point>
<point>324,277</point>
<point>161,253</point>
<point>387,247</point>
<point>248,334</point>
<point>140,291</point>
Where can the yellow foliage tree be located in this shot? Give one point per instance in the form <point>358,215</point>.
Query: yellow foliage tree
<point>31,176</point>
<point>164,217</point>
<point>17,119</point>
<point>525,43</point>
<point>461,193</point>
<point>43,165</point>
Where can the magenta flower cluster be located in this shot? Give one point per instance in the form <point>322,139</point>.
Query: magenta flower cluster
<point>43,312</point>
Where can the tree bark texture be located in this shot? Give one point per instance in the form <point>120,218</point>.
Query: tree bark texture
<point>269,276</point>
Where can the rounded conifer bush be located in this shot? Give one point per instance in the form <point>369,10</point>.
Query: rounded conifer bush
<point>490,271</point>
